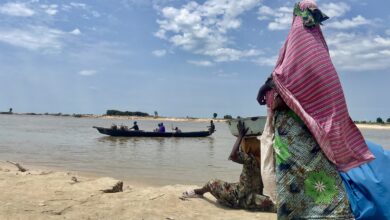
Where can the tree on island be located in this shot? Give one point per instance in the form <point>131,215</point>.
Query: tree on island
<point>215,115</point>
<point>10,110</point>
<point>227,117</point>
<point>379,120</point>
<point>126,113</point>
<point>155,114</point>
<point>388,120</point>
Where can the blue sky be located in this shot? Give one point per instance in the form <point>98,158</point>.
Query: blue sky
<point>180,58</point>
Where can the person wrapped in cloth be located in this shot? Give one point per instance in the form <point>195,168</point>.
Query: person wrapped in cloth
<point>248,192</point>
<point>313,134</point>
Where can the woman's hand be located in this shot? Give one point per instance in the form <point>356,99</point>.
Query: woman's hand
<point>241,129</point>
<point>241,133</point>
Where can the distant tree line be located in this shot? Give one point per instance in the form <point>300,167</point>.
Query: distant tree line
<point>126,113</point>
<point>227,117</point>
<point>379,120</point>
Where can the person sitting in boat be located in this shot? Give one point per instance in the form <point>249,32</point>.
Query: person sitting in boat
<point>211,127</point>
<point>177,130</point>
<point>158,128</point>
<point>135,127</point>
<point>161,128</point>
<point>248,192</point>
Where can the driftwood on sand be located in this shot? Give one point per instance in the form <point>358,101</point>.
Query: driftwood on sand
<point>20,168</point>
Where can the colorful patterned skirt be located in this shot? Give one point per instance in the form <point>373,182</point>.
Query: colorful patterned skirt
<point>232,195</point>
<point>308,185</point>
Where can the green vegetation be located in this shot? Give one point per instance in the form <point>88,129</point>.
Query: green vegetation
<point>379,120</point>
<point>126,113</point>
<point>227,117</point>
<point>215,115</point>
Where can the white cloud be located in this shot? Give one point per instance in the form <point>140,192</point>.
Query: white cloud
<point>201,62</point>
<point>87,72</point>
<point>349,23</point>
<point>16,9</point>
<point>265,12</point>
<point>335,9</point>
<point>78,5</point>
<point>281,17</point>
<point>351,52</point>
<point>203,28</point>
<point>266,61</point>
<point>33,37</point>
<point>229,54</point>
<point>159,53</point>
<point>356,52</point>
<point>75,32</point>
<point>50,9</point>
<point>90,13</point>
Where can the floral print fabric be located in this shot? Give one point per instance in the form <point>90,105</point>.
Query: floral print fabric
<point>308,185</point>
<point>247,193</point>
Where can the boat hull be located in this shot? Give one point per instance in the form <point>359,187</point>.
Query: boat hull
<point>127,133</point>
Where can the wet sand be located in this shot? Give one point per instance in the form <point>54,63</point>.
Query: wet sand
<point>44,194</point>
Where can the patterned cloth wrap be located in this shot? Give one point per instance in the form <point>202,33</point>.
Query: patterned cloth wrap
<point>306,79</point>
<point>246,194</point>
<point>308,184</point>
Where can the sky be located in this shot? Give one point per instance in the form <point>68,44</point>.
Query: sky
<point>179,58</point>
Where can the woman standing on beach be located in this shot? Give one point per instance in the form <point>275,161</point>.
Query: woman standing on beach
<point>313,133</point>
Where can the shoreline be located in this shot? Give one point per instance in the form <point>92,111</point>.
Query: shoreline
<point>374,126</point>
<point>144,118</point>
<point>172,119</point>
<point>46,194</point>
<point>175,119</point>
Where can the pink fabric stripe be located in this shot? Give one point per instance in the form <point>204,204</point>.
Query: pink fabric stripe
<point>308,82</point>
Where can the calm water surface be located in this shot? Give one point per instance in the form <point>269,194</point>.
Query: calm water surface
<point>68,143</point>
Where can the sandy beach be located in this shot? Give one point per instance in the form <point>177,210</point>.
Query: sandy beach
<point>374,126</point>
<point>45,194</point>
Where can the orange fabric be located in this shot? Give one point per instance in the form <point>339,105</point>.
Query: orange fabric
<point>251,145</point>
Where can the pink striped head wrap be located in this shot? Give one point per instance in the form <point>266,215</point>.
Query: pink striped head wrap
<point>307,4</point>
<point>306,79</point>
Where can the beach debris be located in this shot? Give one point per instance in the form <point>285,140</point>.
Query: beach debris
<point>157,197</point>
<point>118,187</point>
<point>20,168</point>
<point>169,218</point>
<point>74,179</point>
<point>45,173</point>
<point>182,198</point>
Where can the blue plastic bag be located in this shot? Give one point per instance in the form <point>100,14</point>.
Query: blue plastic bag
<point>368,186</point>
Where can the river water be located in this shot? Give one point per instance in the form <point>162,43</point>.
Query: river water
<point>67,143</point>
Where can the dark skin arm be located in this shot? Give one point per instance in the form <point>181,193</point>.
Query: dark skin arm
<point>242,131</point>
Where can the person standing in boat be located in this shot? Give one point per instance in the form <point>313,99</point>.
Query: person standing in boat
<point>211,127</point>
<point>135,127</point>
